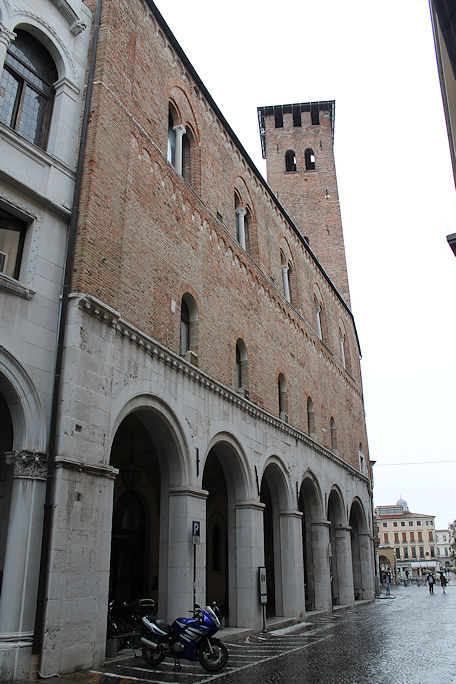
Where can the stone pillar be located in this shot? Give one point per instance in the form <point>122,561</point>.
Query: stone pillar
<point>185,506</point>
<point>286,284</point>
<point>365,553</point>
<point>249,557</point>
<point>179,131</point>
<point>241,214</point>
<point>293,595</point>
<point>321,565</point>
<point>22,560</point>
<point>344,565</point>
<point>6,37</point>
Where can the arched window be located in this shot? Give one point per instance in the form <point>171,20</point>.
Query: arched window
<point>318,321</point>
<point>187,143</point>
<point>283,397</point>
<point>243,220</point>
<point>342,347</point>
<point>171,155</point>
<point>286,276</point>
<point>361,459</point>
<point>242,377</point>
<point>28,81</point>
<point>309,158</point>
<point>189,328</point>
<point>185,328</point>
<point>333,436</point>
<point>310,418</point>
<point>290,160</point>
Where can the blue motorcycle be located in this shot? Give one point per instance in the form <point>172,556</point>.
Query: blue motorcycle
<point>188,638</point>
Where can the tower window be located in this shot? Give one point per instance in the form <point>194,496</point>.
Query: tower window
<point>315,115</point>
<point>296,115</point>
<point>278,117</point>
<point>242,379</point>
<point>310,418</point>
<point>28,81</point>
<point>290,160</point>
<point>309,159</point>
<point>189,327</point>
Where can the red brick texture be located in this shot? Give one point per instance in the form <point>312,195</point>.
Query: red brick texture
<point>146,236</point>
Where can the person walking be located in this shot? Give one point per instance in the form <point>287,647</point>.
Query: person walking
<point>443,582</point>
<point>431,583</point>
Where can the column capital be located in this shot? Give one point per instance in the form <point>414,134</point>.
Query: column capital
<point>27,464</point>
<point>241,211</point>
<point>321,523</point>
<point>291,514</point>
<point>179,129</point>
<point>6,36</point>
<point>254,505</point>
<point>189,491</point>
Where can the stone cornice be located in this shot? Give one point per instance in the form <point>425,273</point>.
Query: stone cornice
<point>15,287</point>
<point>111,317</point>
<point>97,469</point>
<point>76,24</point>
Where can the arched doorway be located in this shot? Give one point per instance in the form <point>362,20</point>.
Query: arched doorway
<point>224,478</point>
<point>274,497</point>
<point>359,542</point>
<point>145,451</point>
<point>6,444</point>
<point>216,534</point>
<point>337,565</point>
<point>309,505</point>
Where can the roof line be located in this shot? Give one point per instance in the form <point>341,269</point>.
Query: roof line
<point>173,40</point>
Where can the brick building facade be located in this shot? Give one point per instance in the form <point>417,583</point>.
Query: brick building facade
<point>211,363</point>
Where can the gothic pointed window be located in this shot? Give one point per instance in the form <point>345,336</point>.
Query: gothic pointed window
<point>27,81</point>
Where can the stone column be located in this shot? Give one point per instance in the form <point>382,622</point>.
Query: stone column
<point>22,559</point>
<point>365,548</point>
<point>322,569</point>
<point>6,37</point>
<point>293,595</point>
<point>241,214</point>
<point>185,506</point>
<point>344,565</point>
<point>179,131</point>
<point>286,284</point>
<point>249,557</point>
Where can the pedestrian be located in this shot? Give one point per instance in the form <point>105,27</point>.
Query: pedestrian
<point>430,580</point>
<point>443,581</point>
<point>387,582</point>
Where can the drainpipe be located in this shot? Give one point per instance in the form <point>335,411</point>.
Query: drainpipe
<point>39,632</point>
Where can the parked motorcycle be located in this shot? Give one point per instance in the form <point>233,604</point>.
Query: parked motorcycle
<point>189,638</point>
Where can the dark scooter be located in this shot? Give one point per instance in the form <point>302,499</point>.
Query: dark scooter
<point>189,638</point>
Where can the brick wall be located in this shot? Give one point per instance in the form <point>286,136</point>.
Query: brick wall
<point>146,236</point>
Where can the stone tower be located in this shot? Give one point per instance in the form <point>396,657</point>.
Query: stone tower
<point>297,143</point>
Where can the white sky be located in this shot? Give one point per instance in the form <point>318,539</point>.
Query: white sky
<point>397,195</point>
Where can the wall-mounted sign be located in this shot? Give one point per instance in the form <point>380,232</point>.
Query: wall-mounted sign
<point>263,586</point>
<point>196,527</point>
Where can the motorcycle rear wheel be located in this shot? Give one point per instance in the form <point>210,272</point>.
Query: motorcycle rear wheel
<point>153,656</point>
<point>214,660</point>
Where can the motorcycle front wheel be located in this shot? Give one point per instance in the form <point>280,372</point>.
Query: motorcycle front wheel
<point>153,656</point>
<point>213,659</point>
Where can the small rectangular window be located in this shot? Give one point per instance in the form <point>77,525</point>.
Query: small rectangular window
<point>296,115</point>
<point>315,115</point>
<point>406,554</point>
<point>394,524</point>
<point>396,538</point>
<point>413,551</point>
<point>385,524</point>
<point>278,117</point>
<point>421,551</point>
<point>404,537</point>
<point>412,536</point>
<point>385,537</point>
<point>418,522</point>
<point>12,234</point>
<point>410,523</point>
<point>402,524</point>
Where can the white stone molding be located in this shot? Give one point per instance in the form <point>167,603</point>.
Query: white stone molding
<point>11,285</point>
<point>6,37</point>
<point>70,15</point>
<point>149,345</point>
<point>27,464</point>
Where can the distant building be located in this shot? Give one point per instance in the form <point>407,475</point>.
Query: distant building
<point>442,540</point>
<point>412,535</point>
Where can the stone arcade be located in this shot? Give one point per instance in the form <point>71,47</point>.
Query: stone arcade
<point>211,362</point>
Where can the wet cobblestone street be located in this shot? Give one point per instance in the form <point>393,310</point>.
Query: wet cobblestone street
<point>409,638</point>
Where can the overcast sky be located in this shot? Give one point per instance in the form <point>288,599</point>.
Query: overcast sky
<point>397,194</point>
